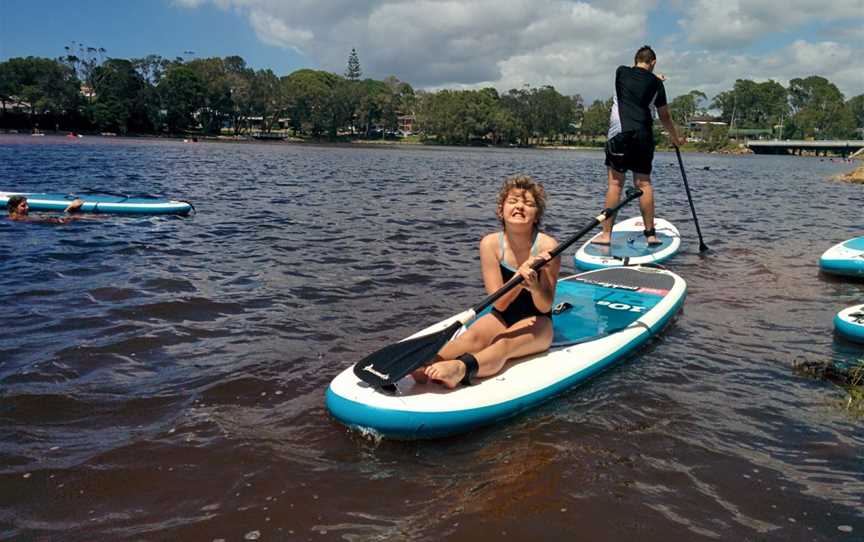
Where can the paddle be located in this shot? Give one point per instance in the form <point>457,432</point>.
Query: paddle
<point>386,366</point>
<point>702,246</point>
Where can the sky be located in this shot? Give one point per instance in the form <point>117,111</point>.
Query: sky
<point>574,46</point>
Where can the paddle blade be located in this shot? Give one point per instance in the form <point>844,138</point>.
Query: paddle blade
<point>386,366</point>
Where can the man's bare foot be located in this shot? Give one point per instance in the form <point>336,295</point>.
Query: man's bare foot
<point>419,375</point>
<point>449,373</point>
<point>601,239</point>
<point>653,240</point>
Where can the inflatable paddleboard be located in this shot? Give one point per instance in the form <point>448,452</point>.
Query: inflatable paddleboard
<point>601,317</point>
<point>846,258</point>
<point>850,323</point>
<point>628,246</point>
<point>102,203</point>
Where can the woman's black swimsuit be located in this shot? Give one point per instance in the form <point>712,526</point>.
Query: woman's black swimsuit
<point>523,306</point>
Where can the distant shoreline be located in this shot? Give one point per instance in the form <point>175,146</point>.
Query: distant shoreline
<point>741,150</point>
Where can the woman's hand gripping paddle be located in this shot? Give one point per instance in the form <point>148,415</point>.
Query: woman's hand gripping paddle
<point>388,365</point>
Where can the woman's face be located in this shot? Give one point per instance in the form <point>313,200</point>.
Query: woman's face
<point>519,207</point>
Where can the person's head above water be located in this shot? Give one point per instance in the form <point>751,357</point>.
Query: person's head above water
<point>17,205</point>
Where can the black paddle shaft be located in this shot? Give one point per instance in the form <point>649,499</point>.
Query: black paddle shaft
<point>702,246</point>
<point>630,195</point>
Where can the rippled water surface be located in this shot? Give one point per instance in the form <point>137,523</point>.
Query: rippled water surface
<point>163,378</point>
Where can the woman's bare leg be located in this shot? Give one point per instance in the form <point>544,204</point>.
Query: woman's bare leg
<point>523,338</point>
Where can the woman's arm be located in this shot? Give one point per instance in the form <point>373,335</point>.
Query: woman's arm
<point>490,267</point>
<point>542,283</point>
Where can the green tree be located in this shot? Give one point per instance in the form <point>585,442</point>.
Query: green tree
<point>49,87</point>
<point>819,109</point>
<point>84,60</point>
<point>687,106</point>
<point>239,83</point>
<point>715,139</point>
<point>268,100</point>
<point>353,71</point>
<point>578,108</point>
<point>518,104</point>
<point>151,68</point>
<point>856,109</point>
<point>753,105</point>
<point>125,101</point>
<point>403,99</point>
<point>459,116</point>
<point>596,121</point>
<point>183,94</point>
<point>319,102</point>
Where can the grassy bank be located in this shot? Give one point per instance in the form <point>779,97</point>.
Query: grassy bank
<point>849,379</point>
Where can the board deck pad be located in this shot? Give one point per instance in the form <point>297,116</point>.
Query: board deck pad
<point>629,244</point>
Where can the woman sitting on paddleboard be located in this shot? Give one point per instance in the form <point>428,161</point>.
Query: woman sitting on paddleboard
<point>520,323</point>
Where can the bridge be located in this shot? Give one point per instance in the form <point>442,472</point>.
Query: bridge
<point>791,146</point>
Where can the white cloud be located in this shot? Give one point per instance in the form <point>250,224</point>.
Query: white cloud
<point>191,4</point>
<point>572,45</point>
<point>274,31</point>
<point>713,72</point>
<point>739,23</point>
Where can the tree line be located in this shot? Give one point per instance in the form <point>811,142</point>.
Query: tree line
<point>86,91</point>
<point>810,107</point>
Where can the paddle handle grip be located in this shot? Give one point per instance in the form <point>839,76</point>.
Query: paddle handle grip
<point>630,195</point>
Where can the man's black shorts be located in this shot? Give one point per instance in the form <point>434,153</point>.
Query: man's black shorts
<point>632,151</point>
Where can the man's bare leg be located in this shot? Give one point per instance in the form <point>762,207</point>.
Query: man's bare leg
<point>615,184</point>
<point>646,203</point>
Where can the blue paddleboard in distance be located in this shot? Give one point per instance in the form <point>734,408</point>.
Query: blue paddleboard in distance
<point>846,258</point>
<point>601,317</point>
<point>629,247</point>
<point>850,323</point>
<point>102,203</point>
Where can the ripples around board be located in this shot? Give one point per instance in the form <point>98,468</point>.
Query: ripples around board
<point>162,378</point>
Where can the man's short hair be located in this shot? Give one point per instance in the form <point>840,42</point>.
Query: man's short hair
<point>645,55</point>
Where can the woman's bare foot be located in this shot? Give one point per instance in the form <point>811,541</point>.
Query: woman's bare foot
<point>449,372</point>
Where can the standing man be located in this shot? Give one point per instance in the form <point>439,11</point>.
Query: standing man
<point>630,144</point>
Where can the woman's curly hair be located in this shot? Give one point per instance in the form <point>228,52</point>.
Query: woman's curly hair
<point>522,182</point>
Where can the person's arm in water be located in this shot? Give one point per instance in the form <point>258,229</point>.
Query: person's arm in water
<point>669,124</point>
<point>75,206</point>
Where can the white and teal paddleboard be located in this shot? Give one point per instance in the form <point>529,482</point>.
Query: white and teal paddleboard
<point>850,323</point>
<point>102,203</point>
<point>846,258</point>
<point>628,246</point>
<point>605,315</point>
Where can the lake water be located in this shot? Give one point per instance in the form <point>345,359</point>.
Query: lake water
<point>163,378</point>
